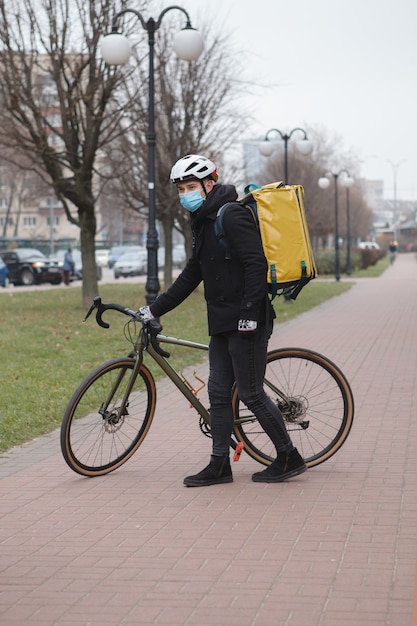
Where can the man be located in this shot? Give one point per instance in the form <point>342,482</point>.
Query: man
<point>240,318</point>
<point>68,266</point>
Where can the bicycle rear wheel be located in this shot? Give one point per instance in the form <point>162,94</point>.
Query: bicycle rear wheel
<point>315,400</point>
<point>96,437</point>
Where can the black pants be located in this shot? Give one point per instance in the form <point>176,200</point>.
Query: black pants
<point>244,360</point>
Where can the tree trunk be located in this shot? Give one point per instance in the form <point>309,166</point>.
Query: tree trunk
<point>87,236</point>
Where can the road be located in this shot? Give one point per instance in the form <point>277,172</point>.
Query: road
<point>108,277</point>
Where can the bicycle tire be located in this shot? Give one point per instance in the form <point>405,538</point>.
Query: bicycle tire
<point>318,412</point>
<point>94,442</point>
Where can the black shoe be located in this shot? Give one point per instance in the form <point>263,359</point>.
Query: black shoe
<point>218,471</point>
<point>286,465</point>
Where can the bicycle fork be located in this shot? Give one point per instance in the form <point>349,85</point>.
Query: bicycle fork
<point>113,417</point>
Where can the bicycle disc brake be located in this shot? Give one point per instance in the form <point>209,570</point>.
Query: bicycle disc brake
<point>294,410</point>
<point>112,420</point>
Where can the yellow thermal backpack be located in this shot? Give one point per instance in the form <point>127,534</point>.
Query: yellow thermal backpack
<point>278,210</point>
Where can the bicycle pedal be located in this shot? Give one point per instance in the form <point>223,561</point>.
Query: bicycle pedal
<point>238,452</point>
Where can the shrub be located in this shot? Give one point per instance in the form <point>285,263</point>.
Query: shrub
<point>326,261</point>
<point>371,257</point>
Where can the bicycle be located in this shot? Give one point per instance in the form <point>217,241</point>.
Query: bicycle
<point>110,413</point>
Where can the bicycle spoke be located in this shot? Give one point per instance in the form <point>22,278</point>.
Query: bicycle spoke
<point>97,436</point>
<point>315,400</point>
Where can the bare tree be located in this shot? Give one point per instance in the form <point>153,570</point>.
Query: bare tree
<point>12,187</point>
<point>19,186</point>
<point>54,90</point>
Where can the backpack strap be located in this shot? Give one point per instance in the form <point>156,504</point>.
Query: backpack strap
<point>219,228</point>
<point>222,237</point>
<point>219,231</point>
<point>273,287</point>
<point>294,291</point>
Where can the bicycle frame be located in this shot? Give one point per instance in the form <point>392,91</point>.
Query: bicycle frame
<point>172,374</point>
<point>184,388</point>
<point>141,346</point>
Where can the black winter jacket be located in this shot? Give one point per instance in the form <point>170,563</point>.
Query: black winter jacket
<point>234,288</point>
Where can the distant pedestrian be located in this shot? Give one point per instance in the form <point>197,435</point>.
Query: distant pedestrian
<point>68,266</point>
<point>393,251</point>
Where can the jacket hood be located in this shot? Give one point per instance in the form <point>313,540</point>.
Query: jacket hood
<point>219,195</point>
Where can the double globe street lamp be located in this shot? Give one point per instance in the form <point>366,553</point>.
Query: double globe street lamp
<point>304,146</point>
<point>267,147</point>
<point>115,50</point>
<point>347,181</point>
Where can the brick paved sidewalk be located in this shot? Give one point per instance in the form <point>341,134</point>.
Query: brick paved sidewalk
<point>334,547</point>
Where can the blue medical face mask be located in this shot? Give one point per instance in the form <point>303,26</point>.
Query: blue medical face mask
<point>191,200</point>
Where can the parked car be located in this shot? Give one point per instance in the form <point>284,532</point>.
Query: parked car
<point>102,257</point>
<point>78,264</point>
<point>368,245</point>
<point>4,273</point>
<point>117,251</point>
<point>178,256</point>
<point>131,263</point>
<point>28,266</point>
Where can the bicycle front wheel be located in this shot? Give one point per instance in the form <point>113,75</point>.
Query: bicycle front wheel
<point>97,434</point>
<point>315,400</point>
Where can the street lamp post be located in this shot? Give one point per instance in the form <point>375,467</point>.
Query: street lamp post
<point>348,257</point>
<point>267,147</point>
<point>115,50</point>
<point>323,183</point>
<point>395,167</point>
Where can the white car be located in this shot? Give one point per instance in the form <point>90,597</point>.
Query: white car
<point>102,257</point>
<point>178,256</point>
<point>132,263</point>
<point>368,245</point>
<point>117,251</point>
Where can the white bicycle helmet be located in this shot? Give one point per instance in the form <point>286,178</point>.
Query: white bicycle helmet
<point>193,166</point>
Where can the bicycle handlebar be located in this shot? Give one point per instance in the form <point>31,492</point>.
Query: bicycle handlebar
<point>152,327</point>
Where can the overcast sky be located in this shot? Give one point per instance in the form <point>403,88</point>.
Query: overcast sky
<point>349,67</point>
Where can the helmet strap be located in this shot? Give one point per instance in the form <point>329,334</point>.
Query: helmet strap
<point>204,187</point>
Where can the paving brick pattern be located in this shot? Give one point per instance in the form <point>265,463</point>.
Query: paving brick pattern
<point>334,547</point>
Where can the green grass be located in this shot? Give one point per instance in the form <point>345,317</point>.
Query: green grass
<point>46,350</point>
